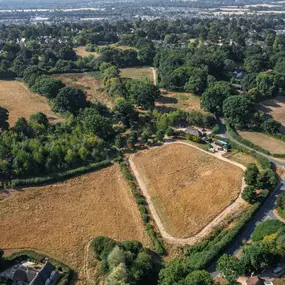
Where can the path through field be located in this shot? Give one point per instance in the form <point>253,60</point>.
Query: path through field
<point>206,230</point>
<point>154,75</point>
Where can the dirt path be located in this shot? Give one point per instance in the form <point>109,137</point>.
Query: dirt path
<point>207,229</point>
<point>154,75</point>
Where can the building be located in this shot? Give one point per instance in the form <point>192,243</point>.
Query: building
<point>193,132</point>
<point>46,276</point>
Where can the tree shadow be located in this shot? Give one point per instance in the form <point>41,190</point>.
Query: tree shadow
<point>166,100</point>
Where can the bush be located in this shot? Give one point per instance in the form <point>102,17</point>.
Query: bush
<point>265,228</point>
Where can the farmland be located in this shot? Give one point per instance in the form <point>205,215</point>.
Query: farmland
<point>91,85</point>
<point>269,143</point>
<point>188,188</point>
<point>170,101</point>
<point>20,102</point>
<point>137,73</point>
<point>60,219</point>
<point>276,109</point>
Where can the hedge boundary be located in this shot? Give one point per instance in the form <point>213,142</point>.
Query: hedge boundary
<point>68,273</point>
<point>141,203</point>
<point>61,176</point>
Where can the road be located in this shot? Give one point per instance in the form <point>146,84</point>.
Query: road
<point>265,212</point>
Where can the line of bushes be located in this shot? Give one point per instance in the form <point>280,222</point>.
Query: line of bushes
<point>68,273</point>
<point>57,177</point>
<point>140,200</point>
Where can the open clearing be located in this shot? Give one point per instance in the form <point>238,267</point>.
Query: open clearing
<point>91,85</point>
<point>188,187</point>
<point>241,157</point>
<point>80,51</point>
<point>60,219</point>
<point>20,102</point>
<point>269,143</point>
<point>137,73</point>
<point>276,109</point>
<point>170,101</point>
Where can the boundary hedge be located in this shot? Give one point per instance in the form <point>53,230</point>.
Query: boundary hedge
<point>140,200</point>
<point>57,177</point>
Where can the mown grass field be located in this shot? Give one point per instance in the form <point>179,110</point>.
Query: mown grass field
<point>20,102</point>
<point>267,142</point>
<point>60,219</point>
<point>189,188</point>
<point>92,86</point>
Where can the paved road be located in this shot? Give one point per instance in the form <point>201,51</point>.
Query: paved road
<point>265,212</point>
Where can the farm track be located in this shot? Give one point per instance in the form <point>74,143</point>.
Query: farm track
<point>205,231</point>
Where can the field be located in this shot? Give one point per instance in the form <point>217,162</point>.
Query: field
<point>20,102</point>
<point>80,51</point>
<point>170,101</point>
<point>91,85</point>
<point>188,188</point>
<point>137,73</point>
<point>269,143</point>
<point>60,219</point>
<point>276,109</point>
<point>241,157</point>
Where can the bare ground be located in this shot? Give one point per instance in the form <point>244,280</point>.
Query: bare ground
<point>20,102</point>
<point>61,219</point>
<point>187,188</point>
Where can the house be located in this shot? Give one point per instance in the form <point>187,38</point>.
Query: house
<point>193,132</point>
<point>253,280</point>
<point>221,144</point>
<point>46,276</point>
<point>24,275</point>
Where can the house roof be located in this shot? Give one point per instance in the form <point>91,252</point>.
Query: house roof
<point>254,280</point>
<point>21,275</point>
<point>43,275</point>
<point>193,132</point>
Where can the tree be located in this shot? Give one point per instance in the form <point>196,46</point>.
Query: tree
<point>266,228</point>
<point>199,277</point>
<point>197,82</point>
<point>251,175</point>
<point>4,115</point>
<point>116,257</point>
<point>48,86</point>
<point>70,99</point>
<point>213,98</point>
<point>159,135</point>
<point>228,266</point>
<point>237,110</point>
<point>249,194</point>
<point>124,112</point>
<point>31,73</point>
<point>271,126</point>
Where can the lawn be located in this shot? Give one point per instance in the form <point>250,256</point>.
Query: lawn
<point>188,187</point>
<point>137,73</point>
<point>276,109</point>
<point>60,219</point>
<point>267,142</point>
<point>20,102</point>
<point>91,85</point>
<point>170,101</point>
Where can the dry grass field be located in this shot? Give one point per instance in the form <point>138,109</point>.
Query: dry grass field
<point>60,219</point>
<point>92,86</point>
<point>241,157</point>
<point>80,51</point>
<point>20,102</point>
<point>137,73</point>
<point>276,109</point>
<point>170,101</point>
<point>188,188</point>
<point>269,143</point>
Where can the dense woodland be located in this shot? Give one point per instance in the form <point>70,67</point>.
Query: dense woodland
<point>200,56</point>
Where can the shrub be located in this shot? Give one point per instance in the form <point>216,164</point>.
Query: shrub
<point>266,228</point>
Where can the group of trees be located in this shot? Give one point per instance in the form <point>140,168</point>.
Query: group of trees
<point>126,263</point>
<point>267,249</point>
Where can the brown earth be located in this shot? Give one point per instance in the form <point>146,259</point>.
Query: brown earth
<point>20,102</point>
<point>267,142</point>
<point>276,109</point>
<point>60,219</point>
<point>188,188</point>
<point>92,86</point>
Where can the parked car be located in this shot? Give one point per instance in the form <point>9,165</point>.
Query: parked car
<point>278,271</point>
<point>268,283</point>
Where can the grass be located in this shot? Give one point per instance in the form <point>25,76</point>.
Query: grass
<point>170,101</point>
<point>91,83</point>
<point>20,102</point>
<point>189,188</point>
<point>266,142</point>
<point>242,158</point>
<point>80,51</point>
<point>137,73</point>
<point>60,219</point>
<point>276,109</point>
